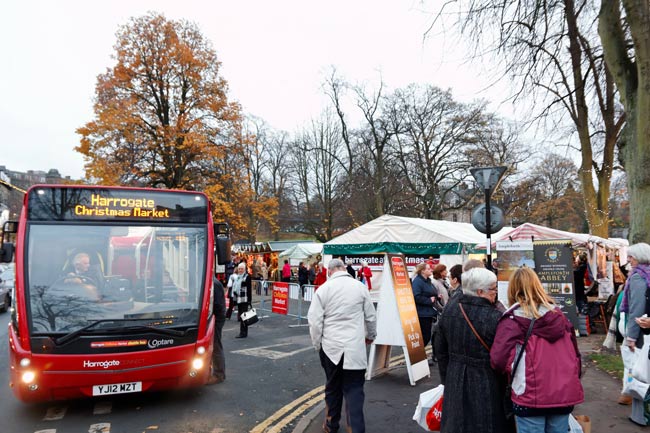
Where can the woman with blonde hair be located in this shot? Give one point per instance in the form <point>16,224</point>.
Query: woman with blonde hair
<point>536,346</point>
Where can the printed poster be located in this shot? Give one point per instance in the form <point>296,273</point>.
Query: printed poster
<point>407,312</point>
<point>511,256</point>
<point>554,267</point>
<point>280,299</point>
<point>397,323</point>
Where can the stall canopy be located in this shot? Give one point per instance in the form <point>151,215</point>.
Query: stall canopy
<point>390,233</point>
<point>529,231</point>
<point>301,252</point>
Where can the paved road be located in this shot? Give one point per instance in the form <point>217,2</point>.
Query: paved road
<point>273,367</point>
<point>390,401</point>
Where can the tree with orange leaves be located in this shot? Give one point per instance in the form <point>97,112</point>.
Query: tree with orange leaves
<point>162,116</point>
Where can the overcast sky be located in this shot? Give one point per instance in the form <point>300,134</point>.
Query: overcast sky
<point>275,56</point>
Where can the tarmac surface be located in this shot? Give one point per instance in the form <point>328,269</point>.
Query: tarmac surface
<point>391,401</point>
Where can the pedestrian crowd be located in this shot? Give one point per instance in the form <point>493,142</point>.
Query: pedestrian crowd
<point>503,370</point>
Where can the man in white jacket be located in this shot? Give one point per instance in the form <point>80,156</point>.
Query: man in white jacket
<point>341,322</point>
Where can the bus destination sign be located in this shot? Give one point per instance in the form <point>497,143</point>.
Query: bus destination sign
<point>121,207</point>
<point>104,204</point>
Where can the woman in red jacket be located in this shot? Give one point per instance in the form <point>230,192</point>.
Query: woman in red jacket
<point>546,382</point>
<point>365,275</point>
<point>321,275</point>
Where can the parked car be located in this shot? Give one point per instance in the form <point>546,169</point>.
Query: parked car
<point>7,283</point>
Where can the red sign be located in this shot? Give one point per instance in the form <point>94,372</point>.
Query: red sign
<point>280,304</point>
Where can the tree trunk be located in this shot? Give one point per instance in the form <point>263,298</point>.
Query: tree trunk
<point>633,80</point>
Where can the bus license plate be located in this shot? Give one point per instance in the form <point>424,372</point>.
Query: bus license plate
<point>117,388</point>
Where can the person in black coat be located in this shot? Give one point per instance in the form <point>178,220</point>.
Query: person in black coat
<point>242,293</point>
<point>219,311</point>
<point>351,270</point>
<point>580,268</point>
<point>303,274</point>
<point>473,396</point>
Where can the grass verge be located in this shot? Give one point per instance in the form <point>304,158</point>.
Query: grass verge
<point>611,363</point>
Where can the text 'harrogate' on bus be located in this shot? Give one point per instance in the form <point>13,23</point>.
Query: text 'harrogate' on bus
<point>113,291</point>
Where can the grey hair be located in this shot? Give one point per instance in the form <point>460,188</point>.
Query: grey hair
<point>471,264</point>
<point>640,251</point>
<point>477,279</point>
<point>242,265</point>
<point>77,257</point>
<point>335,264</point>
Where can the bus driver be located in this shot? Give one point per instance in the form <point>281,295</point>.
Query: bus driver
<point>83,273</point>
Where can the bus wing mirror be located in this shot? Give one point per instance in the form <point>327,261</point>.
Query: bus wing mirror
<point>10,227</point>
<point>7,252</point>
<point>223,249</point>
<point>223,243</point>
<point>7,248</point>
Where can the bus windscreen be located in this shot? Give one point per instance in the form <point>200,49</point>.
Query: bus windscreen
<point>105,204</point>
<point>81,273</point>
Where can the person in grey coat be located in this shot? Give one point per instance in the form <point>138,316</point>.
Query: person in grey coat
<point>473,395</point>
<point>634,306</point>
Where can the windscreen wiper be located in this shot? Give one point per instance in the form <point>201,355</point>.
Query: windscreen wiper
<point>67,337</point>
<point>164,331</point>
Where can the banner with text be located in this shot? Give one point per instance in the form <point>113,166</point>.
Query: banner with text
<point>397,323</point>
<point>511,256</point>
<point>554,267</point>
<point>376,261</point>
<point>406,306</point>
<point>280,299</point>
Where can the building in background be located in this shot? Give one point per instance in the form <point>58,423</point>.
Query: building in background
<point>13,183</point>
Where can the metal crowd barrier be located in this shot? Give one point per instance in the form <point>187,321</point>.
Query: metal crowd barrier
<point>297,304</point>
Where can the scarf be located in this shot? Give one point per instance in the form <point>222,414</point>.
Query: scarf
<point>239,292</point>
<point>644,271</point>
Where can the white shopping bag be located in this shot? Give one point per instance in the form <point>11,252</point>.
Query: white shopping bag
<point>574,425</point>
<point>635,388</point>
<point>641,367</point>
<point>427,400</point>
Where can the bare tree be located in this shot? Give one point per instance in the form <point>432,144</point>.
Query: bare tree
<point>319,161</point>
<point>367,146</point>
<point>431,146</point>
<point>279,171</point>
<point>547,195</point>
<point>533,38</point>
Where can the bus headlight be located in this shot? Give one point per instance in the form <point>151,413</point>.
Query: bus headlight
<point>25,362</point>
<point>28,377</point>
<point>200,350</point>
<point>197,364</point>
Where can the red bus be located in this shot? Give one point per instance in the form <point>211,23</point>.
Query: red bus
<point>113,291</point>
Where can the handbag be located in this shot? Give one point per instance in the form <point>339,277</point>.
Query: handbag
<point>249,317</point>
<point>508,408</point>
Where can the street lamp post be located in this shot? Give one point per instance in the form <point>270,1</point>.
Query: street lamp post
<point>489,179</point>
<point>488,228</point>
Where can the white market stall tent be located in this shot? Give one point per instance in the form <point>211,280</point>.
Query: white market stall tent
<point>453,241</point>
<point>305,252</point>
<point>599,250</point>
<point>530,231</point>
